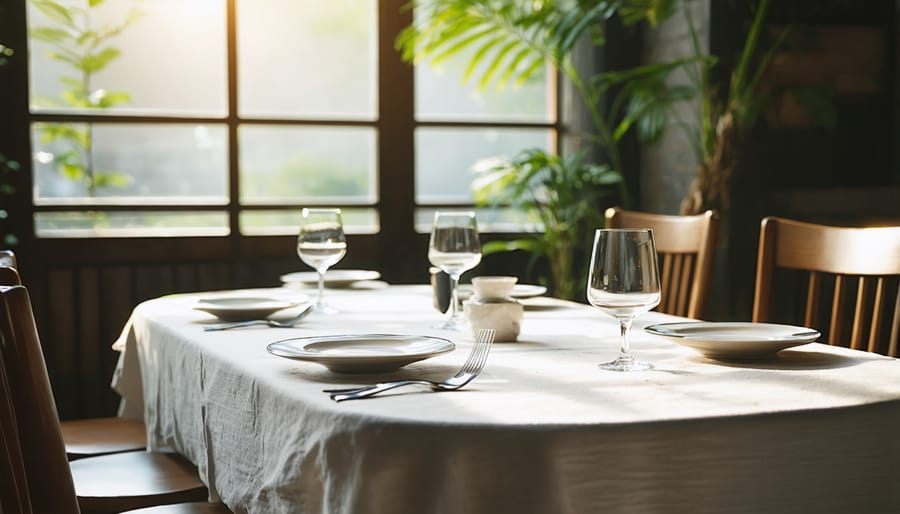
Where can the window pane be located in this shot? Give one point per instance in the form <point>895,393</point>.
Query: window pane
<point>287,222</point>
<point>307,58</point>
<point>129,163</point>
<point>130,224</point>
<point>307,164</point>
<point>169,58</point>
<point>495,220</point>
<point>444,158</point>
<point>442,95</point>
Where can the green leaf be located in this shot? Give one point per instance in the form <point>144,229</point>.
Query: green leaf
<point>50,35</point>
<point>96,62</point>
<point>94,3</point>
<point>72,171</point>
<point>476,59</point>
<point>112,99</point>
<point>111,179</point>
<point>458,45</point>
<point>55,11</point>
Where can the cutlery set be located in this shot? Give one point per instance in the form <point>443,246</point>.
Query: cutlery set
<point>269,322</point>
<point>470,369</point>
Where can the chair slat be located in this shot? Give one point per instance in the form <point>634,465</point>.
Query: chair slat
<point>859,315</point>
<point>837,312</point>
<point>684,287</point>
<point>665,279</point>
<point>813,295</point>
<point>676,279</point>
<point>894,342</point>
<point>877,316</point>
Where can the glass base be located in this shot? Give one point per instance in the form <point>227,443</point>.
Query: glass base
<point>626,364</point>
<point>456,323</point>
<point>324,308</point>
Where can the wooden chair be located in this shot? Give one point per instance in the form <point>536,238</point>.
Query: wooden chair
<point>91,436</point>
<point>686,246</point>
<point>103,484</point>
<point>848,275</point>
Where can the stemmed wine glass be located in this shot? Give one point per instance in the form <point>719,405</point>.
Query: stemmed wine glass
<point>321,244</point>
<point>624,282</point>
<point>454,247</point>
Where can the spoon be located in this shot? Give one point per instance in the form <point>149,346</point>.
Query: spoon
<point>270,322</point>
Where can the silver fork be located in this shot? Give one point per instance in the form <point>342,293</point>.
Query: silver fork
<point>288,323</point>
<point>470,369</point>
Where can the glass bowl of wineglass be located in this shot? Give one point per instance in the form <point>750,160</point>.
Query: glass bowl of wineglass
<point>623,282</point>
<point>454,247</point>
<point>321,244</point>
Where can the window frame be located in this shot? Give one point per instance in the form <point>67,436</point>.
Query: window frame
<point>394,125</point>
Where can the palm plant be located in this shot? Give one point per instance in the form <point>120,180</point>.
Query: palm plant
<point>510,42</point>
<point>562,194</point>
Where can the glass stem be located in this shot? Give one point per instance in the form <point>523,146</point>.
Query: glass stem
<point>624,329</point>
<point>454,295</point>
<point>320,302</point>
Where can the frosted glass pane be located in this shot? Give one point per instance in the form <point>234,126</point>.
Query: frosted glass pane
<point>130,224</point>
<point>171,58</point>
<point>445,156</point>
<point>314,164</point>
<point>307,58</point>
<point>287,222</point>
<point>442,95</point>
<point>130,163</point>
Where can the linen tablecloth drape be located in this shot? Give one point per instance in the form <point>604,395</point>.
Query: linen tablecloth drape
<point>541,430</point>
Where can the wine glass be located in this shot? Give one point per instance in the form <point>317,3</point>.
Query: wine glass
<point>624,282</point>
<point>454,247</point>
<point>321,244</point>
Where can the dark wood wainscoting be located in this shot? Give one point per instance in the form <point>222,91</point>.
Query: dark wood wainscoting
<point>83,292</point>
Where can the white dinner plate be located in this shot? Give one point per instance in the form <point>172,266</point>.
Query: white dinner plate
<point>333,277</point>
<point>241,308</point>
<point>740,340</point>
<point>518,291</point>
<point>366,353</point>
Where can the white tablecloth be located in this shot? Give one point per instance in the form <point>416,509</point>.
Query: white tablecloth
<point>542,430</point>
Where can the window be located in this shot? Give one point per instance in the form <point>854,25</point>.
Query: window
<point>226,117</point>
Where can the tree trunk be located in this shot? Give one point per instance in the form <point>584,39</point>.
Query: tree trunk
<point>710,188</point>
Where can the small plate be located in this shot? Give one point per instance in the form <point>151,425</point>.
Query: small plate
<point>242,308</point>
<point>518,291</point>
<point>727,340</point>
<point>334,278</point>
<point>366,353</point>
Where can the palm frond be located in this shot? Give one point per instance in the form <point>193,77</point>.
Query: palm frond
<point>510,40</point>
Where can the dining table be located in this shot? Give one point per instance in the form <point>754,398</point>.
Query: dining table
<point>812,428</point>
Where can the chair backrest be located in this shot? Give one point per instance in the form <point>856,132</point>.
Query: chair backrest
<point>848,276</point>
<point>13,484</point>
<point>27,386</point>
<point>686,246</point>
